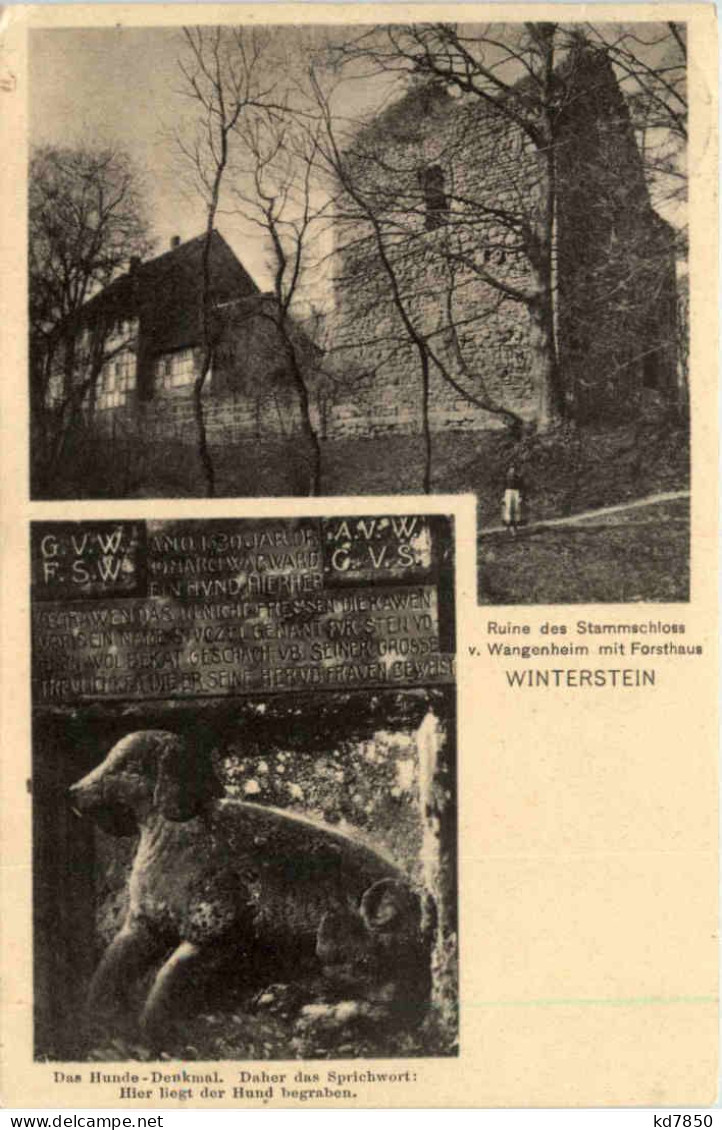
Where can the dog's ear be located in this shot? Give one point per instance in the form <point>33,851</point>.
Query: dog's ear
<point>185,781</point>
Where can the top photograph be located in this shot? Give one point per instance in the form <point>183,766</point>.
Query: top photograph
<point>278,261</point>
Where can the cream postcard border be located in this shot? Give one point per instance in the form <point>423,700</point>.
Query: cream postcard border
<point>588,826</point>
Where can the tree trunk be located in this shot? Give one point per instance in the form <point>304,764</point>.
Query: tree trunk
<point>204,454</point>
<point>202,436</point>
<point>425,424</point>
<point>546,376</point>
<point>314,481</point>
<point>544,370</point>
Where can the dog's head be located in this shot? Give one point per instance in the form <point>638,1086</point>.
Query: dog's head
<point>151,770</point>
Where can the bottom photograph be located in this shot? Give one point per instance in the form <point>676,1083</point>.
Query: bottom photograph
<point>244,789</point>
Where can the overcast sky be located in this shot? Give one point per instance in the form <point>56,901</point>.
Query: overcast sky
<point>120,86</point>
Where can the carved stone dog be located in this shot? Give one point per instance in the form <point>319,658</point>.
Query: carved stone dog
<point>211,871</point>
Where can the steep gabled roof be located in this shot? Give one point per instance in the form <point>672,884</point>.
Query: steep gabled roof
<point>166,293</point>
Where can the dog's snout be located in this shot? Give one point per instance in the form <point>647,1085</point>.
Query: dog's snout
<point>73,798</point>
<point>82,793</point>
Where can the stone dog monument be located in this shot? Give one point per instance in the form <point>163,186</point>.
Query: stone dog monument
<point>305,667</point>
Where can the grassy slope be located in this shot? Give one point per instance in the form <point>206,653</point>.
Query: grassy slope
<point>647,559</point>
<point>565,472</point>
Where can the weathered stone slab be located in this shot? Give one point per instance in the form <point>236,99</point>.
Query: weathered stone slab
<point>364,549</point>
<point>179,609</point>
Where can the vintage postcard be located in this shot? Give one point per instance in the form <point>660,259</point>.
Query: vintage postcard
<point>360,522</point>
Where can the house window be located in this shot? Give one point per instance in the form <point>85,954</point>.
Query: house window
<point>125,369</point>
<point>116,380</point>
<point>436,204</point>
<point>174,370</point>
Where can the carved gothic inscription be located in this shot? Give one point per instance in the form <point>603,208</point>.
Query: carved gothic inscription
<point>172,609</point>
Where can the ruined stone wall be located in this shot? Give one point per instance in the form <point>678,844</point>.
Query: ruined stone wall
<point>458,268</point>
<point>477,331</point>
<point>614,260</point>
<point>617,286</point>
<point>374,367</point>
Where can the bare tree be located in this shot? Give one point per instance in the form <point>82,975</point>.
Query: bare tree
<point>362,206</point>
<point>380,212</point>
<point>225,79</point>
<point>515,76</point>
<point>255,143</point>
<point>86,222</point>
<point>537,80</point>
<point>275,188</point>
<point>651,64</point>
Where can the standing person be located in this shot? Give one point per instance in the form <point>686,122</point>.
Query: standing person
<point>513,495</point>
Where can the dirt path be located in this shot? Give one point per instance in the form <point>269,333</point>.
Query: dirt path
<point>584,515</point>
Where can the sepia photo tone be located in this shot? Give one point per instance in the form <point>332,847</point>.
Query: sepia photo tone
<point>244,790</point>
<point>381,800</point>
<point>339,260</point>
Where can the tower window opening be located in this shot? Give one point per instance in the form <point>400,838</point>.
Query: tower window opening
<point>436,204</point>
